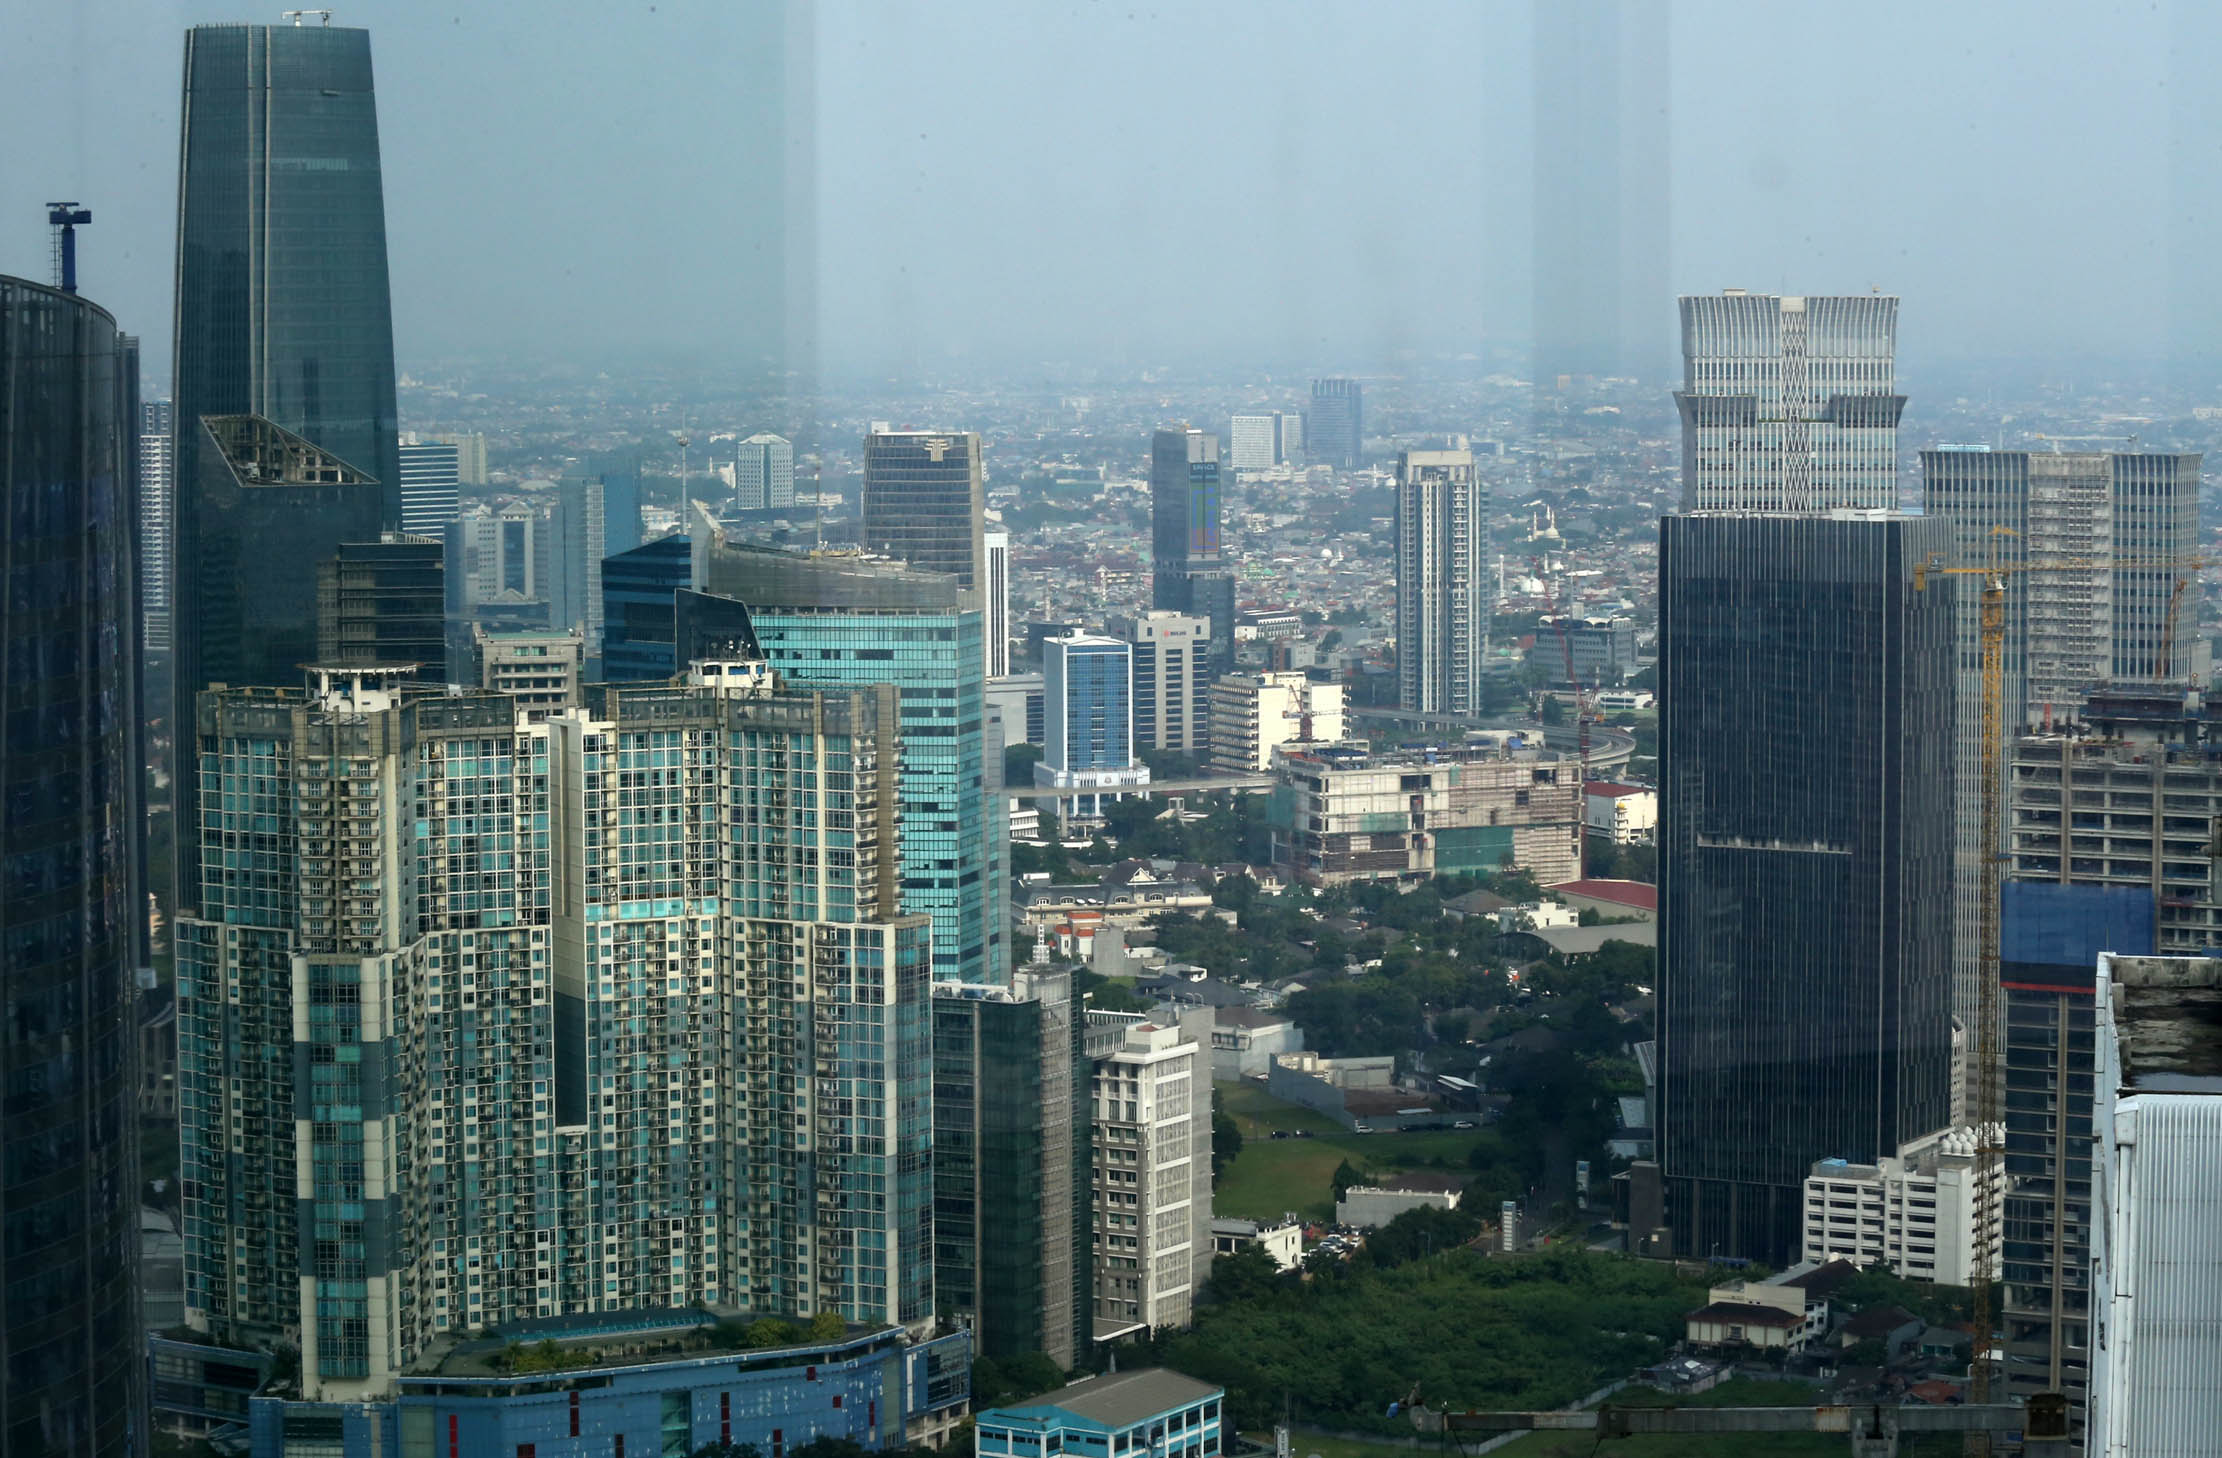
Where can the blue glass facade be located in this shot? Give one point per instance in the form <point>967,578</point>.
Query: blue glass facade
<point>1088,703</point>
<point>639,613</point>
<point>1150,1411</point>
<point>953,825</point>
<point>1806,823</point>
<point>70,910</point>
<point>863,1389</point>
<point>1189,572</point>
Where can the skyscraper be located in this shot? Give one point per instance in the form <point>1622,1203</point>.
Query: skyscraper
<point>1251,443</point>
<point>1442,593</point>
<point>2093,546</point>
<point>764,473</point>
<point>1805,849</point>
<point>384,603</point>
<point>996,599</point>
<point>1335,426</point>
<point>1013,1181</point>
<point>924,504</point>
<point>431,487</point>
<point>440,1086</point>
<point>71,908</point>
<point>1788,403</point>
<point>640,614</point>
<point>831,618</point>
<point>470,455</point>
<point>1601,178</point>
<point>1190,572</point>
<point>1152,1138</point>
<point>1087,721</point>
<point>282,307</point>
<point>1172,680</point>
<point>157,494</point>
<point>579,540</point>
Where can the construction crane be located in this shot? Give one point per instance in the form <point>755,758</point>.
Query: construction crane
<point>1989,1117</point>
<point>66,218</point>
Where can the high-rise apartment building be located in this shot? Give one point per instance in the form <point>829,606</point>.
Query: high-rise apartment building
<point>1805,838</point>
<point>1601,168</point>
<point>1171,659</point>
<point>1789,403</point>
<point>2156,1268</point>
<point>2092,547</point>
<point>1919,1212</point>
<point>282,307</point>
<point>1443,596</point>
<point>441,1082</point>
<point>470,455</point>
<point>431,486</point>
<point>541,672</point>
<point>1152,1138</point>
<point>1254,714</point>
<point>2051,939</point>
<point>924,502</point>
<point>1087,722</point>
<point>831,618</point>
<point>1335,425</point>
<point>764,473</point>
<point>1190,572</point>
<point>1013,1174</point>
<point>995,600</point>
<point>72,908</point>
<point>157,497</point>
<point>384,604</point>
<point>1250,443</point>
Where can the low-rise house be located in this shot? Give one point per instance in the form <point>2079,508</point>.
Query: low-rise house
<point>1283,1239</point>
<point>1897,1329</point>
<point>1368,1207</point>
<point>1151,1411</point>
<point>1244,1040</point>
<point>1788,1312</point>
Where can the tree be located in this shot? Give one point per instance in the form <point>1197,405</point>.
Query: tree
<point>827,1326</point>
<point>1249,1274</point>
<point>1346,1175</point>
<point>1226,1139</point>
<point>1018,763</point>
<point>1553,712</point>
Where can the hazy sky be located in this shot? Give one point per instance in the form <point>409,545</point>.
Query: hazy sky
<point>1306,186</point>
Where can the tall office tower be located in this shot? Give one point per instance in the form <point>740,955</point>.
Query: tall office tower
<point>1787,403</point>
<point>1602,302</point>
<point>1012,1169</point>
<point>1171,654</point>
<point>384,604</point>
<point>579,539</point>
<point>157,492</point>
<point>1250,443</point>
<point>1288,437</point>
<point>431,487</point>
<point>1805,851</point>
<point>834,618</point>
<point>1152,1096</point>
<point>436,1087</point>
<point>621,521</point>
<point>505,557</point>
<point>924,502</point>
<point>1335,426</point>
<point>1087,722</point>
<point>71,821</point>
<point>996,601</point>
<point>764,473</point>
<point>640,613</point>
<point>1442,593</point>
<point>1190,572</point>
<point>282,309</point>
<point>2156,1268</point>
<point>269,508</point>
<point>470,455</point>
<point>2051,938</point>
<point>2093,546</point>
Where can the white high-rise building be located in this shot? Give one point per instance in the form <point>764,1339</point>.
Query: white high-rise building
<point>1253,714</point>
<point>470,455</point>
<point>1442,597</point>
<point>764,473</point>
<point>1153,1170</point>
<point>998,603</point>
<point>1172,679</point>
<point>1789,403</point>
<point>1916,1212</point>
<point>157,486</point>
<point>1250,443</point>
<point>431,479</point>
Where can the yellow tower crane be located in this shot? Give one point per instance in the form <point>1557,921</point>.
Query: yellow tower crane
<point>1986,1055</point>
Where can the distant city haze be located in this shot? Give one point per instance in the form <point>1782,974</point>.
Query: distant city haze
<point>897,192</point>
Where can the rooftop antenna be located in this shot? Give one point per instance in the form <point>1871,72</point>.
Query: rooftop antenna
<point>684,440</point>
<point>66,216</point>
<point>324,17</point>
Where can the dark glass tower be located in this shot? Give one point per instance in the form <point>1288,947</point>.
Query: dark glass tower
<point>70,910</point>
<point>640,618</point>
<point>384,603</point>
<point>1806,860</point>
<point>1335,426</point>
<point>1190,572</point>
<point>924,502</point>
<point>282,308</point>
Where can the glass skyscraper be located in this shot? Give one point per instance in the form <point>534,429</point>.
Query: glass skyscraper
<point>1189,569</point>
<point>384,602</point>
<point>70,905</point>
<point>1335,425</point>
<point>639,609</point>
<point>282,307</point>
<point>923,502</point>
<point>1805,854</point>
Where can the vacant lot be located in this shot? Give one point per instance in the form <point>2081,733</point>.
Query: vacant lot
<point>1273,1176</point>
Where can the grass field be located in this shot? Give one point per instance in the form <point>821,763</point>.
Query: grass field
<point>1272,1176</point>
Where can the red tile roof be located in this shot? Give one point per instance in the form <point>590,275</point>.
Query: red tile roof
<point>1610,787</point>
<point>1621,893</point>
